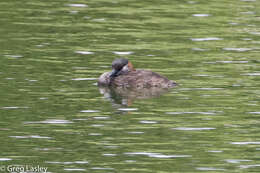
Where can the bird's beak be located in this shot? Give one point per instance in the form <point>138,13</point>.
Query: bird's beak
<point>113,73</point>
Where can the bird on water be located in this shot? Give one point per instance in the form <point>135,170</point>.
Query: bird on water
<point>124,75</point>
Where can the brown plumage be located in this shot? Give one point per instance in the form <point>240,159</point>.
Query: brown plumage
<point>124,75</point>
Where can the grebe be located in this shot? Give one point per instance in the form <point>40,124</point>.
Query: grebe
<point>125,75</point>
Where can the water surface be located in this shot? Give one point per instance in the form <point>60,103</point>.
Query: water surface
<point>54,115</point>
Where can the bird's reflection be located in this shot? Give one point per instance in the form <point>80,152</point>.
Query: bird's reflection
<point>126,96</point>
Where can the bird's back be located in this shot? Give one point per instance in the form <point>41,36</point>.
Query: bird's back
<point>142,79</point>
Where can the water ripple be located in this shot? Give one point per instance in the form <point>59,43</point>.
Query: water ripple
<point>68,163</point>
<point>201,15</point>
<point>249,166</point>
<point>14,56</point>
<point>99,20</point>
<point>210,169</point>
<point>14,107</point>
<point>215,151</point>
<point>50,121</point>
<point>206,39</point>
<point>31,136</point>
<point>101,118</point>
<point>74,12</point>
<point>246,143</point>
<point>254,112</point>
<point>89,111</point>
<point>80,79</point>
<point>97,125</point>
<point>74,169</point>
<point>255,33</point>
<point>123,53</point>
<point>204,113</point>
<point>148,122</point>
<point>130,161</point>
<point>77,5</point>
<point>251,74</point>
<point>236,160</point>
<point>232,62</point>
<point>193,128</point>
<point>4,159</point>
<point>127,109</point>
<point>201,75</point>
<point>99,168</point>
<point>198,49</point>
<point>79,119</point>
<point>84,52</point>
<point>135,132</point>
<point>247,12</point>
<point>238,49</point>
<point>108,154</point>
<point>157,155</point>
<point>95,134</point>
<point>201,89</point>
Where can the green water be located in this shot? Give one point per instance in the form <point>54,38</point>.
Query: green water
<point>53,115</point>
